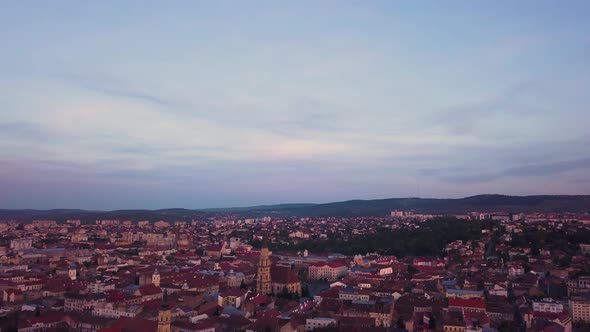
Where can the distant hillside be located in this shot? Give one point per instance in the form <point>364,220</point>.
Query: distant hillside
<point>481,203</point>
<point>262,207</point>
<point>84,215</point>
<point>376,207</point>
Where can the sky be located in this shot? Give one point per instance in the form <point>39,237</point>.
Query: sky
<point>194,104</point>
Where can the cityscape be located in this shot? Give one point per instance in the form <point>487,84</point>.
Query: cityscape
<point>224,271</point>
<point>295,166</point>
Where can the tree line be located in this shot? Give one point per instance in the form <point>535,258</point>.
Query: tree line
<point>428,240</point>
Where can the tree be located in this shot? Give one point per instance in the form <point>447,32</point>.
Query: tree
<point>429,240</point>
<point>305,291</point>
<point>432,323</point>
<point>508,327</point>
<point>527,268</point>
<point>412,269</point>
<point>400,323</point>
<point>582,326</point>
<point>329,328</point>
<point>16,319</point>
<point>63,328</point>
<point>303,274</point>
<point>284,293</point>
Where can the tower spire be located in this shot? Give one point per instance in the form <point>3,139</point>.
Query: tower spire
<point>164,315</point>
<point>165,300</point>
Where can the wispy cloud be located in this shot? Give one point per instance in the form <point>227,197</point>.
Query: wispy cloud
<point>308,115</point>
<point>464,119</point>
<point>429,172</point>
<point>145,150</point>
<point>295,118</point>
<point>22,130</point>
<point>115,88</point>
<point>509,48</point>
<point>580,180</point>
<point>547,169</point>
<point>142,96</point>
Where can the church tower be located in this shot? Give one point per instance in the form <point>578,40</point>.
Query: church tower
<point>156,278</point>
<point>164,315</point>
<point>263,283</point>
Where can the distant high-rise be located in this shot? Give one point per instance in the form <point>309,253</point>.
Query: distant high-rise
<point>397,213</point>
<point>263,283</point>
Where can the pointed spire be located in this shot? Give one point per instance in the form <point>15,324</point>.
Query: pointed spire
<point>265,240</point>
<point>264,243</point>
<point>165,305</point>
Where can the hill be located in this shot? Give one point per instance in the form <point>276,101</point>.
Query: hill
<point>480,203</point>
<point>376,207</point>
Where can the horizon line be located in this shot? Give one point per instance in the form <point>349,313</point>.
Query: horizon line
<point>279,204</point>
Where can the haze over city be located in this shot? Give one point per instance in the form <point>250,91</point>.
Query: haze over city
<point>140,104</point>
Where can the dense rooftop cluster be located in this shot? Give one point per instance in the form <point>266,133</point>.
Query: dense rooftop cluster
<point>404,271</point>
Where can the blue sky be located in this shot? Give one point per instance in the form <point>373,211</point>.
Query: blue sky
<point>140,104</point>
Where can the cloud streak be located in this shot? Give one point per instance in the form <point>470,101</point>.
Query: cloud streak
<point>111,87</point>
<point>26,131</point>
<point>536,170</point>
<point>464,119</point>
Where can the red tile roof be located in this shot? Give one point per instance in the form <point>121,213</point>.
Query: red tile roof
<point>214,247</point>
<point>331,264</point>
<point>234,292</point>
<point>150,289</point>
<point>47,318</point>
<point>132,324</point>
<point>467,303</point>
<point>260,299</point>
<point>14,291</point>
<point>283,275</point>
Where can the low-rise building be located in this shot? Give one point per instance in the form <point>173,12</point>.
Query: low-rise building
<point>330,271</point>
<point>318,322</point>
<point>82,302</point>
<point>580,308</point>
<point>548,305</point>
<point>232,297</point>
<point>112,310</point>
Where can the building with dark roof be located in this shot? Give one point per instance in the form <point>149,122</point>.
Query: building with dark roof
<point>285,278</point>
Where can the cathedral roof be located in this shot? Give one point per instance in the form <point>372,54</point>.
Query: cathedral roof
<point>283,275</point>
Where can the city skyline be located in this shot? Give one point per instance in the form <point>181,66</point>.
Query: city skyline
<point>204,105</point>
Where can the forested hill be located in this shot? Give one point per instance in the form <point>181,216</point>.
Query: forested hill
<point>376,207</point>
<point>481,203</point>
<point>428,240</point>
